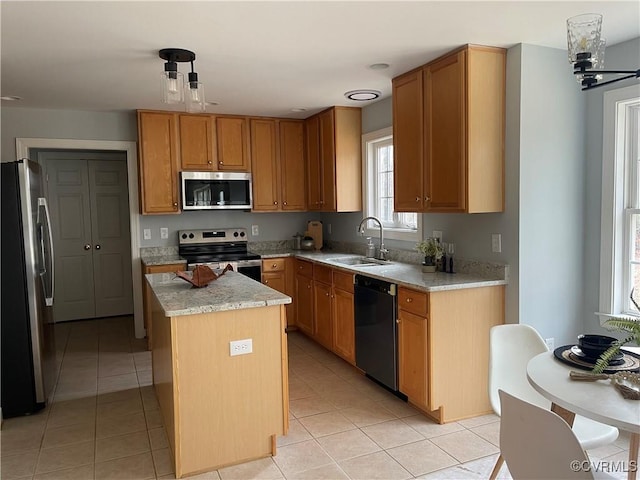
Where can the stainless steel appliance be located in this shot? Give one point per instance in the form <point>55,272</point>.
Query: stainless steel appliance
<point>216,190</point>
<point>217,248</point>
<point>28,343</point>
<point>375,305</point>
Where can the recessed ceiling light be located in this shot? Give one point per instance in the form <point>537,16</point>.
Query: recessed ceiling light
<point>299,109</point>
<point>362,95</point>
<point>212,103</point>
<point>378,66</point>
<point>10,98</point>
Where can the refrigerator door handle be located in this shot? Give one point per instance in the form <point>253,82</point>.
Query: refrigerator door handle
<point>42,202</point>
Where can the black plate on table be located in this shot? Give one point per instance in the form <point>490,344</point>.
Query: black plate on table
<point>617,359</point>
<point>630,362</point>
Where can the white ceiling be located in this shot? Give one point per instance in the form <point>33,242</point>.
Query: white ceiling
<point>261,58</point>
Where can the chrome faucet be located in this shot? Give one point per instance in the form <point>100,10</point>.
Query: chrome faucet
<point>382,252</point>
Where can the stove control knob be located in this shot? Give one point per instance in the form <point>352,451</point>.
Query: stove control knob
<point>242,234</point>
<point>191,235</point>
<point>184,235</point>
<point>235,234</point>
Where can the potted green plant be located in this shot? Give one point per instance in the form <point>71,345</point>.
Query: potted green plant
<point>432,251</point>
<point>629,327</point>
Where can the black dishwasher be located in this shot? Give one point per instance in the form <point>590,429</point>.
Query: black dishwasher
<point>376,330</point>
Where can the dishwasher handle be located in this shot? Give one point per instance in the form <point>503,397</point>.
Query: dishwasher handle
<point>375,284</point>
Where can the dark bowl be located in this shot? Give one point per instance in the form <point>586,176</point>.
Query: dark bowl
<point>594,345</point>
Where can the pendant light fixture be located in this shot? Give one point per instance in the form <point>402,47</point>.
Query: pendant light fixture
<point>173,87</point>
<point>586,52</point>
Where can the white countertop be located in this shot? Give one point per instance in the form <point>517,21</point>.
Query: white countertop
<point>232,291</point>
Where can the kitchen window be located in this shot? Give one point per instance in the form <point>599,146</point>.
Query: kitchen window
<point>378,189</point>
<point>620,234</point>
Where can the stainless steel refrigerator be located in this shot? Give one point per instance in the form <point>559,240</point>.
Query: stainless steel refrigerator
<point>26,259</point>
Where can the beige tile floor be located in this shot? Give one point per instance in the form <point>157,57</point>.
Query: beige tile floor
<point>104,422</point>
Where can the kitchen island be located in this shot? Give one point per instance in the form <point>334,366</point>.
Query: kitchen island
<point>222,403</point>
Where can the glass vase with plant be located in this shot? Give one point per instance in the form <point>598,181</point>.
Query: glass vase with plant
<point>432,251</point>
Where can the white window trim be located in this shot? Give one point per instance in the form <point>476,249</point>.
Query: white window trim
<point>390,233</point>
<point>613,225</point>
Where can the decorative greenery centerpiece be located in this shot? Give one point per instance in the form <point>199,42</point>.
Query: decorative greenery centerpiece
<point>630,327</point>
<point>432,251</point>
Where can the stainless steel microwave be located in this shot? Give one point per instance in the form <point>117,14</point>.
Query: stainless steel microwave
<point>216,190</point>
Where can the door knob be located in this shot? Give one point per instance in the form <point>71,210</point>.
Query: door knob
<point>97,247</point>
<point>87,247</point>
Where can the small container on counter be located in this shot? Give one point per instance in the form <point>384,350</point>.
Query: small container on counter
<point>297,241</point>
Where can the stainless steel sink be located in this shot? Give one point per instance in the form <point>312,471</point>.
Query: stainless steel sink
<point>359,261</point>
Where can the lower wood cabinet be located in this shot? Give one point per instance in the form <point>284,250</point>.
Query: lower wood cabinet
<point>323,318</point>
<point>304,296</point>
<point>343,316</point>
<point>146,293</point>
<point>278,273</point>
<point>443,349</point>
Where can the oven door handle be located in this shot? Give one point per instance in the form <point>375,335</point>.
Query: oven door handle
<point>248,263</point>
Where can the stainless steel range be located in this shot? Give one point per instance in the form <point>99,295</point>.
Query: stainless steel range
<point>217,248</point>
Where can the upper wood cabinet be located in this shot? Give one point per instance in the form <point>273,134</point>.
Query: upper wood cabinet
<point>334,160</point>
<point>232,136</point>
<point>277,163</point>
<point>158,162</point>
<point>448,122</point>
<point>197,142</point>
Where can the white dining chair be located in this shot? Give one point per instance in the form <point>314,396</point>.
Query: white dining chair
<point>536,443</point>
<point>510,349</point>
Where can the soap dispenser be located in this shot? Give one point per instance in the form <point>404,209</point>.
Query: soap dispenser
<point>371,249</point>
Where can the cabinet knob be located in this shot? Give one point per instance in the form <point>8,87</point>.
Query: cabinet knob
<point>417,199</point>
<point>266,282</point>
<point>321,202</point>
<point>275,203</point>
<point>175,204</point>
<point>397,320</point>
<point>409,299</point>
<point>327,294</point>
<point>284,203</point>
<point>309,286</point>
<point>274,265</point>
<point>87,246</point>
<point>209,162</point>
<point>220,162</point>
<point>426,199</point>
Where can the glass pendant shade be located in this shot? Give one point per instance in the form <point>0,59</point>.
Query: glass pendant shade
<point>194,94</point>
<point>583,35</point>
<point>172,87</point>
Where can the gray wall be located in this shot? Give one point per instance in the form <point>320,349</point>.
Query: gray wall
<point>624,56</point>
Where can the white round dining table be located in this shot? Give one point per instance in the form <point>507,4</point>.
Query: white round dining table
<point>598,400</point>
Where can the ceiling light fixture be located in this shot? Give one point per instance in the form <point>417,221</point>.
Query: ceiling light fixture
<point>378,66</point>
<point>362,95</point>
<point>173,88</point>
<point>586,52</point>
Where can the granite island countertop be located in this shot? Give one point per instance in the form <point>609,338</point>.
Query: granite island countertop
<point>232,291</point>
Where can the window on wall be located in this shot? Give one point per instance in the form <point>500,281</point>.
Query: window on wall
<point>378,189</point>
<point>620,235</point>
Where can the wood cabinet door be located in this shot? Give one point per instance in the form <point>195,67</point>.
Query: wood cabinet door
<point>292,165</point>
<point>196,142</point>
<point>314,167</point>
<point>412,356</point>
<point>304,304</point>
<point>328,160</point>
<point>146,294</point>
<point>344,342</point>
<point>158,162</point>
<point>264,165</point>
<point>322,308</point>
<point>408,145</point>
<point>445,142</point>
<point>232,136</point>
<point>275,280</point>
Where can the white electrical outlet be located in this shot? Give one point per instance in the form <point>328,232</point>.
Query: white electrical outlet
<point>550,343</point>
<point>241,347</point>
<point>496,243</point>
<point>164,232</point>
<point>146,233</point>
<point>437,234</point>
<point>255,230</point>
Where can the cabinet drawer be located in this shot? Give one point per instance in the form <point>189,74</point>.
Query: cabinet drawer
<point>322,274</point>
<point>304,268</point>
<point>273,265</point>
<point>412,301</point>
<point>343,281</point>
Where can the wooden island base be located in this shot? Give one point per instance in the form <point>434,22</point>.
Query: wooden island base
<point>218,409</point>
